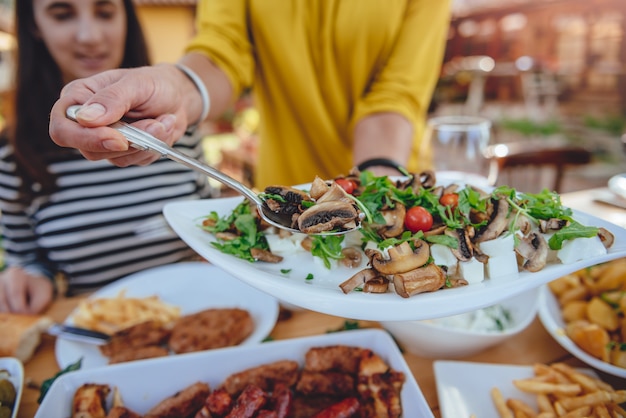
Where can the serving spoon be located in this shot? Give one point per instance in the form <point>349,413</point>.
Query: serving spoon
<point>144,141</point>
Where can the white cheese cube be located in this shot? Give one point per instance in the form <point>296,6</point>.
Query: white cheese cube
<point>473,271</point>
<point>580,249</point>
<point>502,245</point>
<point>442,255</point>
<point>502,266</point>
<point>282,246</point>
<point>353,239</point>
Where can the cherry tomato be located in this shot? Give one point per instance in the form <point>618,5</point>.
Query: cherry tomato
<point>418,219</point>
<point>449,199</point>
<point>347,185</point>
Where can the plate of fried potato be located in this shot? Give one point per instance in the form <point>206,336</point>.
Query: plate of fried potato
<point>585,312</point>
<point>164,295</point>
<point>467,389</point>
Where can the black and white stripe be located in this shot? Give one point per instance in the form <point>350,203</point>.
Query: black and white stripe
<point>103,223</point>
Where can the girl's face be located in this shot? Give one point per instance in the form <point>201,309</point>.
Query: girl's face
<point>84,37</point>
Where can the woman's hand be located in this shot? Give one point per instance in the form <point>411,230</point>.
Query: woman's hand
<point>24,293</point>
<point>158,97</point>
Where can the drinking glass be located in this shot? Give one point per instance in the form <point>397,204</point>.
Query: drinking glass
<point>459,143</point>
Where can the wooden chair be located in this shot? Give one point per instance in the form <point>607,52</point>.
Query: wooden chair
<point>531,166</point>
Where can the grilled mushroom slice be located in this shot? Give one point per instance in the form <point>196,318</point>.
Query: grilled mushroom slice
<point>464,250</point>
<point>289,206</point>
<point>327,216</point>
<point>265,255</point>
<point>606,237</point>
<point>351,257</point>
<point>497,224</point>
<point>424,279</point>
<point>552,224</point>
<point>358,279</point>
<point>533,248</point>
<point>402,258</point>
<point>394,218</point>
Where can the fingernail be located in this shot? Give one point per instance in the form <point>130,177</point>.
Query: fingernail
<point>113,145</point>
<point>91,112</point>
<point>168,122</point>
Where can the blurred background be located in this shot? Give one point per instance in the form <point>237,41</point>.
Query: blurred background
<point>538,69</point>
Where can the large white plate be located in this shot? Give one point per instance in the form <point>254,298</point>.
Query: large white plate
<point>322,293</point>
<point>16,372</point>
<point>143,384</point>
<point>193,286</point>
<point>464,388</point>
<point>552,320</point>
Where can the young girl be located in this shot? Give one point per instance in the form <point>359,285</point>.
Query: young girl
<point>91,221</point>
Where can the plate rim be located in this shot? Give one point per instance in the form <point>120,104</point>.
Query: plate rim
<point>555,327</point>
<point>371,306</point>
<point>270,312</point>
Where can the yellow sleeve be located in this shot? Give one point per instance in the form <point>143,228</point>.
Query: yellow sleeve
<point>222,35</point>
<point>406,83</point>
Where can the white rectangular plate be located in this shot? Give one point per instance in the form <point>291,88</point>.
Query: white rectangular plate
<point>143,384</point>
<point>322,293</point>
<point>464,388</point>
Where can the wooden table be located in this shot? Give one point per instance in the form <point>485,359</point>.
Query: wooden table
<point>530,346</point>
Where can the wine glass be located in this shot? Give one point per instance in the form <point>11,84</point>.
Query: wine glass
<point>459,143</point>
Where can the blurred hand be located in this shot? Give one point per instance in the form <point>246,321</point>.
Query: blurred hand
<point>24,293</point>
<point>151,96</point>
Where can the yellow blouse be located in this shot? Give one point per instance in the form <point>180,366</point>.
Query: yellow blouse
<point>317,66</point>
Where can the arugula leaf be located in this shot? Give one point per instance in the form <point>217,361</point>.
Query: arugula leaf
<point>244,225</point>
<point>327,247</point>
<point>45,386</point>
<point>572,231</point>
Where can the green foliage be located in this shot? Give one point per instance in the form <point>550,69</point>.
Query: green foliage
<point>528,127</point>
<point>615,125</point>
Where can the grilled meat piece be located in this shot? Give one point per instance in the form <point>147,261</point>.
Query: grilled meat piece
<point>183,404</point>
<point>90,400</point>
<point>139,353</point>
<point>326,383</point>
<point>141,335</point>
<point>379,387</point>
<point>210,328</point>
<point>122,412</point>
<point>217,404</point>
<point>249,402</point>
<point>338,358</point>
<point>265,377</point>
<point>343,409</point>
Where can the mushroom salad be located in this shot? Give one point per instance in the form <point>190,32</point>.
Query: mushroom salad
<point>413,234</point>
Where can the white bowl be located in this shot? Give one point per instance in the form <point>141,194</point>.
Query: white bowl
<point>432,339</point>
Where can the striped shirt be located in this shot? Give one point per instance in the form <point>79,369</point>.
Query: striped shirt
<point>104,222</point>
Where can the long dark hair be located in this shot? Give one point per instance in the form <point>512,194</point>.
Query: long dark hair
<point>38,84</point>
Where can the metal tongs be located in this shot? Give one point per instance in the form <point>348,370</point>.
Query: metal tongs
<point>144,141</point>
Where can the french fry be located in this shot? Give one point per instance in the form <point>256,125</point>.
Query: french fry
<point>562,392</point>
<point>520,408</point>
<point>500,404</point>
<point>532,386</point>
<point>582,412</point>
<point>544,404</point>
<point>110,315</point>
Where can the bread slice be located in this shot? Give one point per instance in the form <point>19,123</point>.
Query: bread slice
<point>20,335</point>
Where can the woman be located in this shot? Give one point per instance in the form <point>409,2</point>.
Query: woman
<point>336,82</point>
<point>93,222</point>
